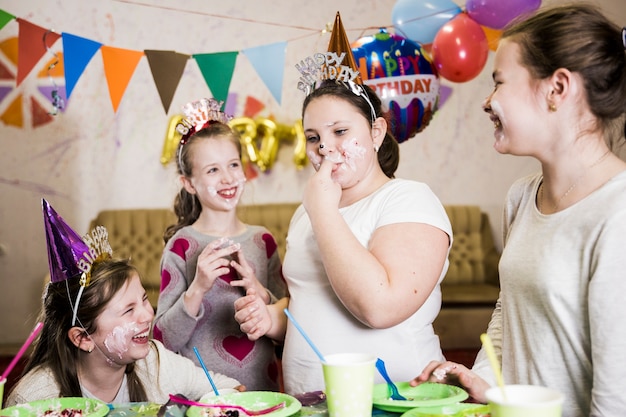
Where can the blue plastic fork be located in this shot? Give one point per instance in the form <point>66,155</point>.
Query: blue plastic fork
<point>395,395</point>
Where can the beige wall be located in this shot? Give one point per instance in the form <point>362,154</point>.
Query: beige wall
<point>90,159</point>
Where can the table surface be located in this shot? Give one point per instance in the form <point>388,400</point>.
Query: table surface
<point>148,410</point>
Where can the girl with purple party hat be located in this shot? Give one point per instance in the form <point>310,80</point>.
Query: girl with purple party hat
<point>95,340</point>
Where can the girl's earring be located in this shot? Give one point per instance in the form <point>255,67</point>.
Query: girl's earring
<point>376,148</point>
<point>552,107</point>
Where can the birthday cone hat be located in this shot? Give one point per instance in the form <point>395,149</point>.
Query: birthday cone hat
<point>65,247</point>
<point>339,44</point>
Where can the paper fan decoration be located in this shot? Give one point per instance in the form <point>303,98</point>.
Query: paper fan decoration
<point>30,104</point>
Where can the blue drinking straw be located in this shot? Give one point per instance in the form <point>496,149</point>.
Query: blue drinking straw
<point>309,341</point>
<point>206,371</point>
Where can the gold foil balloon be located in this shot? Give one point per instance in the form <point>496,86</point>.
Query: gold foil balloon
<point>246,127</point>
<point>261,138</point>
<point>266,130</point>
<point>299,152</point>
<point>172,138</point>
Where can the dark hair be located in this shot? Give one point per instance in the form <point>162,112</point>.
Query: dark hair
<point>187,207</point>
<point>581,39</point>
<point>54,348</point>
<point>389,151</point>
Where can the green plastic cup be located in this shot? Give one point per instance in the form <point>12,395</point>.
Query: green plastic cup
<point>3,381</point>
<point>349,380</point>
<point>524,401</point>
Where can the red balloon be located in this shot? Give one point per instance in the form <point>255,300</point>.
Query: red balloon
<point>460,49</point>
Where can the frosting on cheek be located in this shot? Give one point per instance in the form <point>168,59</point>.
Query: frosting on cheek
<point>119,339</point>
<point>351,152</point>
<point>212,191</point>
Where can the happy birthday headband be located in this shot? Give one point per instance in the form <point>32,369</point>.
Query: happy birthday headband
<point>198,114</point>
<point>337,64</point>
<point>69,255</point>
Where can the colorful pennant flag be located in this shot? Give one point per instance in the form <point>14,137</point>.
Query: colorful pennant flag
<point>5,18</point>
<point>33,43</point>
<point>77,53</point>
<point>167,69</point>
<point>217,70</point>
<point>119,66</point>
<point>269,63</point>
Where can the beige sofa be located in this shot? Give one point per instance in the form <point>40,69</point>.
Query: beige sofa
<point>469,289</point>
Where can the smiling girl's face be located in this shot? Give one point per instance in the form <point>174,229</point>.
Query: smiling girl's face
<point>123,327</point>
<point>338,132</point>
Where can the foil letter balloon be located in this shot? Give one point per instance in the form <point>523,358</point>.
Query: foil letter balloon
<point>404,77</point>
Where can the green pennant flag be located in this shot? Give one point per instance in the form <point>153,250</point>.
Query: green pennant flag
<point>217,70</point>
<point>5,18</point>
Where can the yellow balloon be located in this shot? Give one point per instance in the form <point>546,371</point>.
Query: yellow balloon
<point>246,127</point>
<point>172,139</point>
<point>266,130</point>
<point>299,151</point>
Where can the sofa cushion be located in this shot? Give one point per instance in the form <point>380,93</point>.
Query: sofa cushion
<point>138,234</point>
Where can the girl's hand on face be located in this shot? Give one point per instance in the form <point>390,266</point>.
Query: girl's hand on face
<point>454,374</point>
<point>321,191</point>
<point>248,278</point>
<point>212,264</point>
<point>252,315</point>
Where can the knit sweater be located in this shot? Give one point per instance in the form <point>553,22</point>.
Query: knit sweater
<point>558,321</point>
<point>214,331</point>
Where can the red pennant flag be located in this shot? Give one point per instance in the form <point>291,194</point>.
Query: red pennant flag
<point>33,43</point>
<point>119,66</point>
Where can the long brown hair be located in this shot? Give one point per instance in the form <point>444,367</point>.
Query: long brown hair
<point>54,349</point>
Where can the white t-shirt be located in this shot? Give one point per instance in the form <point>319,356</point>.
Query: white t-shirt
<point>407,347</point>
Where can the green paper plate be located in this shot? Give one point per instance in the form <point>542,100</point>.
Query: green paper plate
<point>139,409</point>
<point>428,394</point>
<point>252,400</point>
<point>89,407</point>
<point>450,410</point>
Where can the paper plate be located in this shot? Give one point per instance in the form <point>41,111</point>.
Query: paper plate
<point>450,410</point>
<point>252,400</point>
<point>428,394</point>
<point>88,406</point>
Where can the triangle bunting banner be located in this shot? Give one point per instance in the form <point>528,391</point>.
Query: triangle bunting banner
<point>119,66</point>
<point>33,43</point>
<point>217,70</point>
<point>77,53</point>
<point>269,63</point>
<point>5,18</point>
<point>167,69</point>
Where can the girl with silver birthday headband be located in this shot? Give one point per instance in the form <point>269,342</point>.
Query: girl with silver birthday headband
<point>366,251</point>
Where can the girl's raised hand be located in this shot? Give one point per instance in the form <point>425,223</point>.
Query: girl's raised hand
<point>252,315</point>
<point>321,191</point>
<point>213,263</point>
<point>248,278</point>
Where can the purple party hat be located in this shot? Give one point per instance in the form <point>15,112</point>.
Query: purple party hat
<point>66,248</point>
